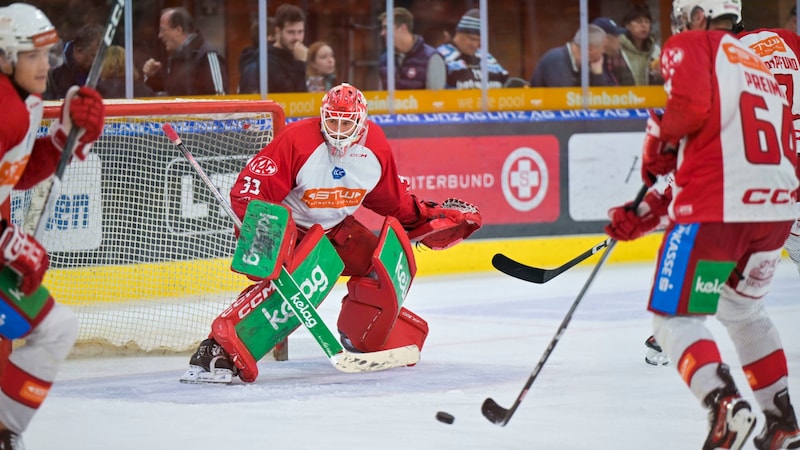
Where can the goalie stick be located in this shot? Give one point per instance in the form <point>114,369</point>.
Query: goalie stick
<point>539,275</point>
<point>91,81</point>
<point>499,415</point>
<point>341,359</point>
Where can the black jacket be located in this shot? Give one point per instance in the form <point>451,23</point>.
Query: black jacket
<point>286,74</point>
<point>193,69</point>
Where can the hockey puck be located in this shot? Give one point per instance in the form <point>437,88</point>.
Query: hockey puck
<point>444,417</point>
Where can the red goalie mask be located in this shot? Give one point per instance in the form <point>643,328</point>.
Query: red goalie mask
<point>344,118</point>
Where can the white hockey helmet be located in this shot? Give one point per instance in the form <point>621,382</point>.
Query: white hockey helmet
<point>24,28</point>
<point>344,118</point>
<point>682,11</point>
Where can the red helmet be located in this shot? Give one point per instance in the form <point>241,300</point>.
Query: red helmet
<point>344,118</point>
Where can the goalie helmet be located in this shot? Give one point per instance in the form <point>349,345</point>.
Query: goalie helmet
<point>682,11</point>
<point>344,118</point>
<point>24,28</point>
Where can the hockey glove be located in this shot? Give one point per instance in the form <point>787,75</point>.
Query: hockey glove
<point>658,156</point>
<point>627,224</point>
<point>83,108</point>
<point>445,225</point>
<point>21,253</point>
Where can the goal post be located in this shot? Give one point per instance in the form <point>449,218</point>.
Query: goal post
<point>139,247</point>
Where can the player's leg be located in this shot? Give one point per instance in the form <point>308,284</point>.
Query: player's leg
<point>757,340</point>
<point>694,261</point>
<point>31,368</point>
<point>371,318</point>
<point>224,354</point>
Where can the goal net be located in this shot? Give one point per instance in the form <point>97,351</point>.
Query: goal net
<point>139,247</point>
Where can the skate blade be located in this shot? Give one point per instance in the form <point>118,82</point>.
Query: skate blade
<point>655,358</point>
<point>742,423</point>
<point>198,375</point>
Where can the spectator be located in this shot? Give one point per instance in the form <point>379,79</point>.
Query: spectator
<point>285,72</point>
<point>417,64</point>
<point>78,57</point>
<point>248,59</point>
<point>612,47</point>
<point>320,68</point>
<point>112,76</point>
<point>193,67</point>
<point>791,22</point>
<point>638,62</point>
<point>462,56</point>
<point>561,66</point>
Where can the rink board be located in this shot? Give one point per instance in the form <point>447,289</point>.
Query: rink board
<point>153,281</point>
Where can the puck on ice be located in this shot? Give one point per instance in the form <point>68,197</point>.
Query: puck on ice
<point>444,417</point>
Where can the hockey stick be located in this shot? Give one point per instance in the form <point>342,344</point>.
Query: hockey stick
<point>539,275</point>
<point>341,359</point>
<point>91,81</point>
<point>499,415</point>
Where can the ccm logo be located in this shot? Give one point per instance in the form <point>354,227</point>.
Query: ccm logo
<point>759,196</point>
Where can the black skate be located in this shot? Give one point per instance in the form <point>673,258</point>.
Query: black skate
<point>210,364</point>
<point>730,417</point>
<point>10,441</point>
<point>780,431</point>
<point>655,354</point>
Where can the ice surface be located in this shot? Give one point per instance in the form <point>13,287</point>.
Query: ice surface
<point>487,333</point>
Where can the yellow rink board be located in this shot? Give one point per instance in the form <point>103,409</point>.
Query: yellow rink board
<point>137,282</point>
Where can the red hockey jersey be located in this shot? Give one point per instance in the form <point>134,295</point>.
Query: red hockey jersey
<point>297,170</point>
<point>736,161</point>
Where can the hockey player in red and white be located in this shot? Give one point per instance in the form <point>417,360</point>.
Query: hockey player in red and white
<point>323,169</point>
<point>727,136</point>
<point>49,329</point>
<point>780,50</point>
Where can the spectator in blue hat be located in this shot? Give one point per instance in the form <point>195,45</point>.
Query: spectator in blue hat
<point>612,47</point>
<point>462,56</point>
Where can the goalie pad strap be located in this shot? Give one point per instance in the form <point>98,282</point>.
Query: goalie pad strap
<point>408,329</point>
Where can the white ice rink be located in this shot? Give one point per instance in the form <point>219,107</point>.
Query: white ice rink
<point>487,333</point>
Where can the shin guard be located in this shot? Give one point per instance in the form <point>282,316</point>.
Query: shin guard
<point>372,306</point>
<point>259,319</point>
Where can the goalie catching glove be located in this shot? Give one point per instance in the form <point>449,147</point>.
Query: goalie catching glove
<point>444,225</point>
<point>83,108</point>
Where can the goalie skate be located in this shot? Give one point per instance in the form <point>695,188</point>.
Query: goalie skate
<point>199,375</point>
<point>209,364</point>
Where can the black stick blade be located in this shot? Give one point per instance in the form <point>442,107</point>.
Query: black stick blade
<point>494,412</point>
<point>520,271</point>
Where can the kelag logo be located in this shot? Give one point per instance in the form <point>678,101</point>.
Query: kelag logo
<point>525,179</point>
